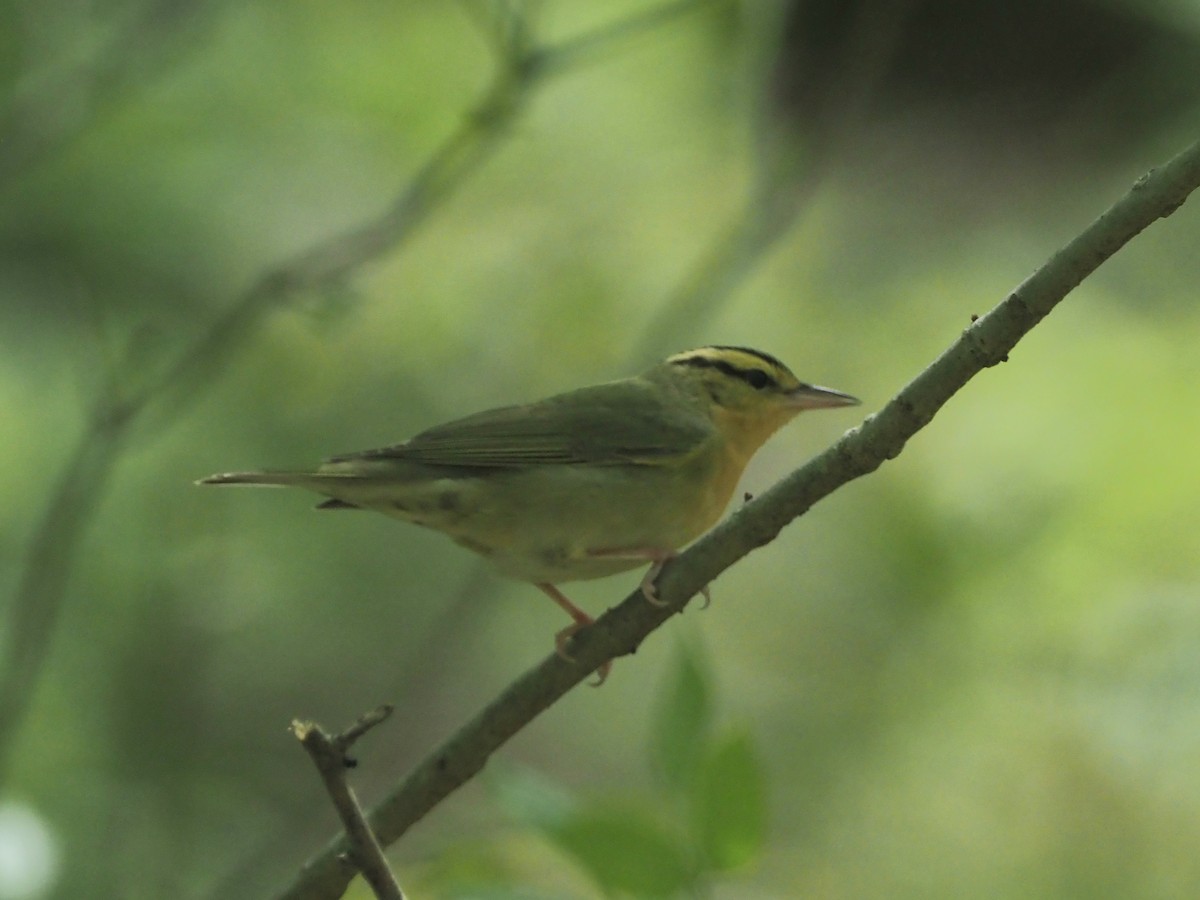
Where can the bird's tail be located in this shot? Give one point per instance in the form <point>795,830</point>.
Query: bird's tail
<point>275,479</point>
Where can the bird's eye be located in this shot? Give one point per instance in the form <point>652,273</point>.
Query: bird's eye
<point>757,379</point>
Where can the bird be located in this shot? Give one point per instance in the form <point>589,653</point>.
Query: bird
<point>583,484</point>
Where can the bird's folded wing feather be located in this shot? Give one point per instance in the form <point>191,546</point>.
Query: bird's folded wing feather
<point>622,423</point>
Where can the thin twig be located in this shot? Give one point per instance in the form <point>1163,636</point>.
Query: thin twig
<point>985,342</point>
<point>328,753</point>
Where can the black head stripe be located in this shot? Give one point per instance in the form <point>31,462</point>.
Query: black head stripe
<point>756,378</point>
<point>749,351</point>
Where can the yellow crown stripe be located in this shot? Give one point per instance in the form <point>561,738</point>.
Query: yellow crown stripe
<point>737,362</point>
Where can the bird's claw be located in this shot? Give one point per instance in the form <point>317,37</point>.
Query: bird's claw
<point>650,592</point>
<point>563,638</point>
<point>650,589</point>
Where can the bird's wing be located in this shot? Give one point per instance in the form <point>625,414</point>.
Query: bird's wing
<point>622,423</point>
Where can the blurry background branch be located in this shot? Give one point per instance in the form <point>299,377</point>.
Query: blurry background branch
<point>521,64</point>
<point>791,157</point>
<point>73,68</point>
<point>986,342</point>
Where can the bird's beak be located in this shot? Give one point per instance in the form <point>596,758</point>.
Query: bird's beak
<point>810,396</point>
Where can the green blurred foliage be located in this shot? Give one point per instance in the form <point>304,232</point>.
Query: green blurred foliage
<point>971,673</point>
<point>704,819</point>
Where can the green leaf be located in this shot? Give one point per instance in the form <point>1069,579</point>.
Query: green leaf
<point>729,804</point>
<point>623,850</point>
<point>485,892</point>
<point>626,852</point>
<point>682,719</point>
<point>530,798</point>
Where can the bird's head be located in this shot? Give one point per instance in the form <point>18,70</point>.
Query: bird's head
<point>747,393</point>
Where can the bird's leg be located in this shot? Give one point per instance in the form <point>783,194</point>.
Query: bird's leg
<point>582,620</point>
<point>658,558</point>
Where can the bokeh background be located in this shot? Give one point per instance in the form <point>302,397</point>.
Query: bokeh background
<point>238,235</point>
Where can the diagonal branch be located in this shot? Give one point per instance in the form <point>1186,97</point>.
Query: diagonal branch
<point>986,342</point>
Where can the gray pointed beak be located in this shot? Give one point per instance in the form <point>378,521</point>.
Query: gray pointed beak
<point>810,396</point>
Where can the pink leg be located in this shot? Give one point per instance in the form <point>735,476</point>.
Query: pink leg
<point>658,558</point>
<point>582,620</point>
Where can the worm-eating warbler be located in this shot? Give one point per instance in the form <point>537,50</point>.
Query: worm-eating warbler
<point>584,484</point>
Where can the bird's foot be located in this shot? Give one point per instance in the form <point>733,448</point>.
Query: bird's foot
<point>650,589</point>
<point>563,638</point>
<point>657,558</point>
